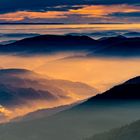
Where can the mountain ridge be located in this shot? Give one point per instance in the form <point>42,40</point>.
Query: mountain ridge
<point>45,44</point>
<point>82,121</point>
<point>22,89</point>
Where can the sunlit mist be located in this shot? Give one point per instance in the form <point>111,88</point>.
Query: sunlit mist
<point>101,73</point>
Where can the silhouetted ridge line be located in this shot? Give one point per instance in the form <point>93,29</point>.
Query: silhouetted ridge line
<point>46,44</point>
<point>129,90</point>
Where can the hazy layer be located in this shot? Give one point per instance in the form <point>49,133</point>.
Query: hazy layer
<point>101,73</point>
<point>66,28</point>
<point>63,29</point>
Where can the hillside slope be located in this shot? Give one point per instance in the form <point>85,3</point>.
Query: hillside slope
<point>128,132</point>
<point>23,91</point>
<point>91,117</point>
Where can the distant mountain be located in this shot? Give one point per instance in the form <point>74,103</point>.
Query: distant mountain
<point>132,34</point>
<point>21,89</point>
<point>96,115</point>
<point>112,39</point>
<point>128,132</point>
<point>46,44</point>
<point>8,38</point>
<point>19,35</point>
<point>119,46</point>
<point>96,35</point>
<point>49,44</point>
<point>44,112</point>
<point>7,42</point>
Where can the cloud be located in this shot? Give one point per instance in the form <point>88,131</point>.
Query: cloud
<point>103,10</point>
<point>20,15</point>
<point>7,6</point>
<point>129,14</point>
<point>83,13</point>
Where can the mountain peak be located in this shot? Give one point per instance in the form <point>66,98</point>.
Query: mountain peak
<point>130,90</point>
<point>120,36</point>
<point>135,80</point>
<point>58,38</point>
<point>14,71</point>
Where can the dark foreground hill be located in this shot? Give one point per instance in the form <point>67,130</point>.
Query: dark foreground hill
<point>128,132</point>
<point>129,90</point>
<point>98,114</point>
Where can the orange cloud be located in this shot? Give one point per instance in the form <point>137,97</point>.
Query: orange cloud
<point>20,15</point>
<point>103,10</point>
<point>93,11</point>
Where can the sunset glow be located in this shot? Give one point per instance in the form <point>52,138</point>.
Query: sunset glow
<point>86,11</point>
<point>101,10</point>
<point>69,69</point>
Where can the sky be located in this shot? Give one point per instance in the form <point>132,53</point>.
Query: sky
<point>72,11</point>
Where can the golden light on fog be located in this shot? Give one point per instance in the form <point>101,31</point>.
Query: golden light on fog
<point>101,73</point>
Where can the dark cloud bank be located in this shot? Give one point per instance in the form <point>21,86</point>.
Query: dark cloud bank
<point>7,6</point>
